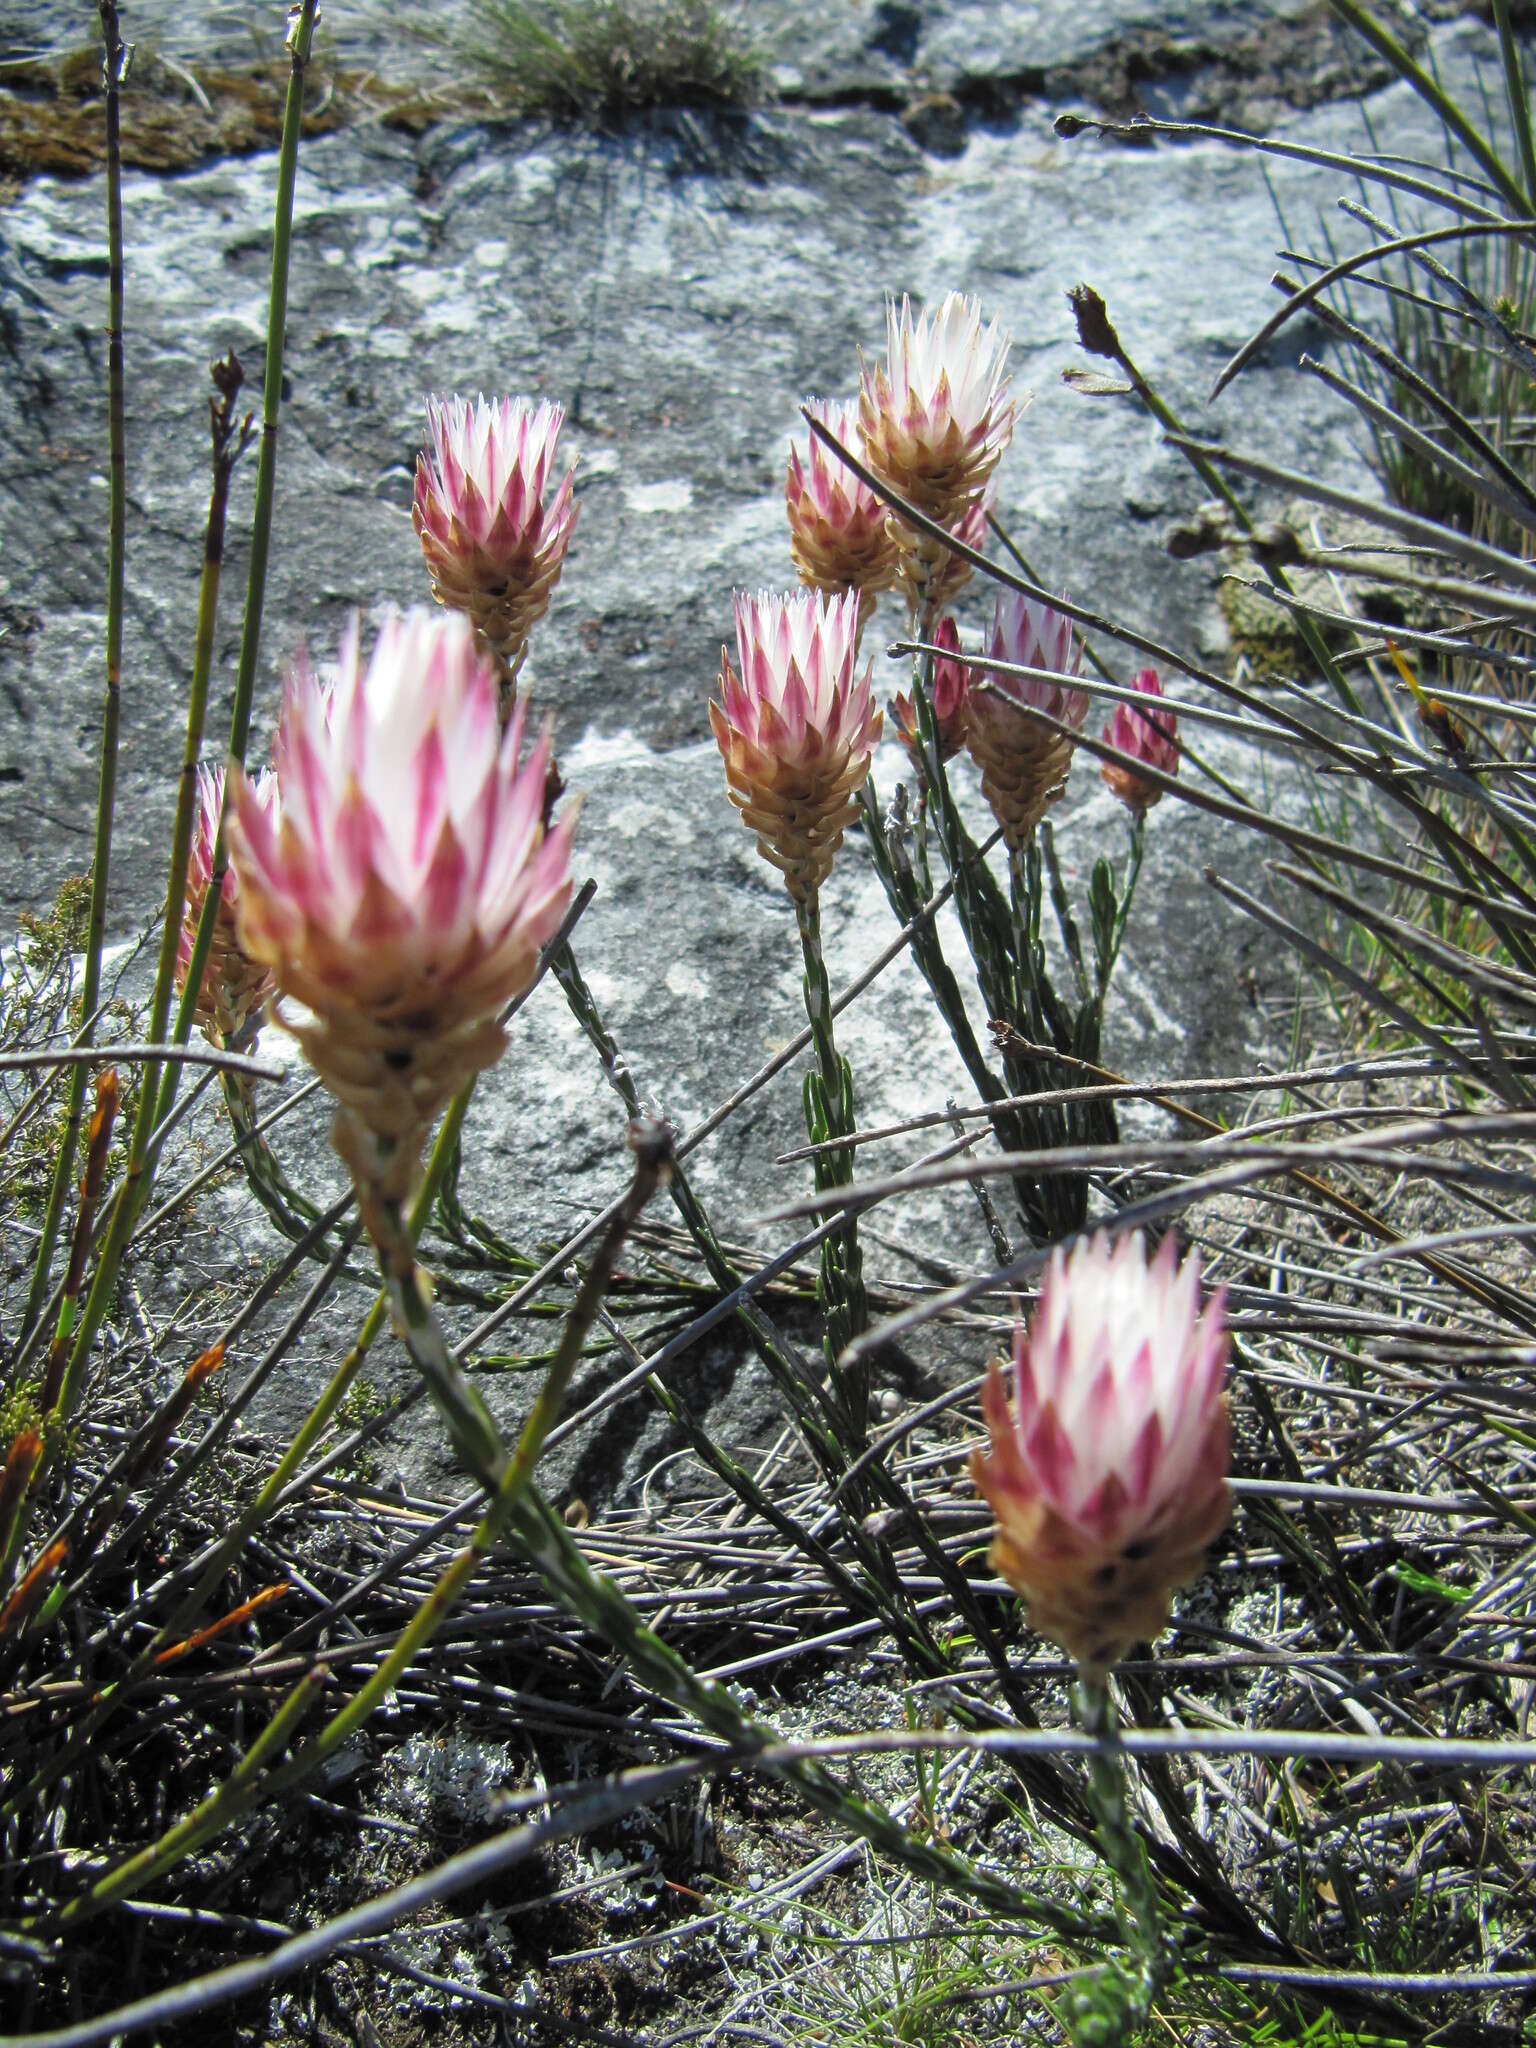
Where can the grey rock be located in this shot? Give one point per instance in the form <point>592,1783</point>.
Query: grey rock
<point>680,298</point>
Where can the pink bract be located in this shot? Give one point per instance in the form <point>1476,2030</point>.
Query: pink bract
<point>1108,1474</point>
<point>233,985</point>
<point>951,691</point>
<point>1034,635</point>
<point>487,470</point>
<point>944,377</point>
<point>1149,737</point>
<point>796,726</point>
<point>410,872</point>
<point>837,494</point>
<point>493,548</point>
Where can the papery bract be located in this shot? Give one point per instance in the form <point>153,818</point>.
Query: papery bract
<point>935,418</point>
<point>837,526</point>
<point>952,573</point>
<point>233,986</point>
<point>493,548</point>
<point>1148,736</point>
<point>796,727</point>
<point>404,891</point>
<point>1108,1474</point>
<point>951,691</point>
<point>1024,764</point>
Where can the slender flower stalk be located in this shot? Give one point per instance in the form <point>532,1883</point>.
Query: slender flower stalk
<point>493,548</point>
<point>1024,764</point>
<point>838,534</point>
<point>796,728</point>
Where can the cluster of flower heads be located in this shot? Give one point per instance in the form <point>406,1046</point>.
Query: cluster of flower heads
<point>1108,1474</point>
<point>397,871</point>
<point>931,423</point>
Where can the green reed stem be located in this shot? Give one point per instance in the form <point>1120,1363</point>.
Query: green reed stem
<point>252,1516</point>
<point>1434,95</point>
<point>829,1113</point>
<point>139,1179</point>
<point>1519,104</point>
<point>300,36</point>
<point>651,1144</point>
<point>106,792</point>
<point>222,1805</point>
<point>1099,337</point>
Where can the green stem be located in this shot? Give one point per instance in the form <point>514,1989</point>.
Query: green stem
<point>1445,109</point>
<point>300,36</point>
<point>1519,105</point>
<point>1143,1923</point>
<point>829,1114</point>
<point>106,792</point>
<point>599,1603</point>
<point>139,1180</point>
<point>813,1413</point>
<point>1100,337</point>
<point>222,1805</point>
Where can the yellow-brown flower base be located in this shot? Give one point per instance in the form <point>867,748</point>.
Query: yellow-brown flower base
<point>799,813</point>
<point>1134,791</point>
<point>1024,764</point>
<point>502,600</point>
<point>836,558</point>
<point>1097,1602</point>
<point>391,1079</point>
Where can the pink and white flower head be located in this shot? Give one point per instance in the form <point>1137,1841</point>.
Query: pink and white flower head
<point>493,548</point>
<point>1149,737</point>
<point>1108,1477</point>
<point>935,418</point>
<point>796,728</point>
<point>233,986</point>
<point>951,692</point>
<point>837,527</point>
<point>404,890</point>
<point>1024,764</point>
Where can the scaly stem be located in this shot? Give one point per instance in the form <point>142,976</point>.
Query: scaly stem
<point>829,1114</point>
<point>106,792</point>
<point>813,1413</point>
<point>1143,1924</point>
